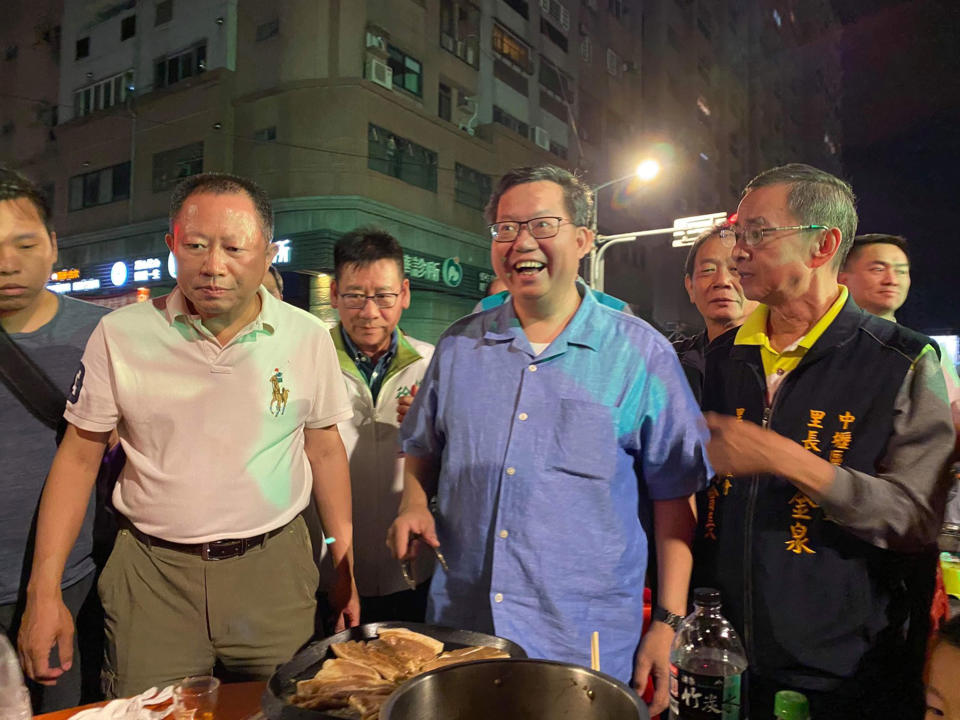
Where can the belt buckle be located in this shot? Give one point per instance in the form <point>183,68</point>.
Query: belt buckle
<point>223,549</point>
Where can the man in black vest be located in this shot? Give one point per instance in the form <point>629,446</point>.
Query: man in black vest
<point>831,437</point>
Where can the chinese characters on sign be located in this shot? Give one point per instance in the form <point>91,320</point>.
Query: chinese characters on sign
<point>418,268</point>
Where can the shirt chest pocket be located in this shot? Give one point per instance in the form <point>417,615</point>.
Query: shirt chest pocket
<point>583,439</point>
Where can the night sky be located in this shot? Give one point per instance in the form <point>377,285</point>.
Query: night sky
<point>901,109</point>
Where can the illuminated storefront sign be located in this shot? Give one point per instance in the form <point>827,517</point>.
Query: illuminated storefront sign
<point>84,285</point>
<point>283,252</point>
<point>146,270</point>
<point>118,274</point>
<point>64,275</point>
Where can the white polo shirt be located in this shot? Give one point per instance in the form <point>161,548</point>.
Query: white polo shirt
<point>211,454</point>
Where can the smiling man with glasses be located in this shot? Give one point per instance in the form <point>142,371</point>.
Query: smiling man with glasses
<point>831,436</point>
<point>543,427</point>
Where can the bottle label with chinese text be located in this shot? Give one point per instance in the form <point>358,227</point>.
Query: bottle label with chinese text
<point>703,697</point>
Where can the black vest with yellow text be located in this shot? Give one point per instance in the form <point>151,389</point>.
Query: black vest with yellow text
<point>810,599</point>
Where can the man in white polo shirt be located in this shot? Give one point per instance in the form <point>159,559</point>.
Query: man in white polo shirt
<point>226,401</point>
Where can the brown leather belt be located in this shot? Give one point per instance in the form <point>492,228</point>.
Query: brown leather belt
<point>216,550</point>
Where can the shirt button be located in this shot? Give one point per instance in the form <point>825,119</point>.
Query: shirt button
<point>522,416</point>
<point>532,368</point>
<point>503,534</point>
<point>498,598</point>
<point>779,371</point>
<point>511,471</point>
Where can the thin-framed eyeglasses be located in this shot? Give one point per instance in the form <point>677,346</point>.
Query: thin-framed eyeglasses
<point>356,301</point>
<point>539,227</point>
<point>753,236</point>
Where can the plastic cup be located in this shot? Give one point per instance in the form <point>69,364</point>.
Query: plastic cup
<point>195,698</point>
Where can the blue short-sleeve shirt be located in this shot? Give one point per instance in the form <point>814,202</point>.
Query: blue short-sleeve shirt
<point>541,462</point>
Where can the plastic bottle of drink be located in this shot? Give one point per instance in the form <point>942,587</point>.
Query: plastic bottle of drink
<point>707,661</point>
<point>14,697</point>
<point>790,705</point>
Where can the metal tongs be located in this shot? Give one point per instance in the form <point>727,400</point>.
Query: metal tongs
<point>406,566</point>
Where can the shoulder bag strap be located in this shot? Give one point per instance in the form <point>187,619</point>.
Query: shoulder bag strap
<point>30,384</point>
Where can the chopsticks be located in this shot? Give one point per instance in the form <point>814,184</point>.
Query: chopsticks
<point>595,651</point>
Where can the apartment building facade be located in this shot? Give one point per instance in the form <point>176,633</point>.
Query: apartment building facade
<point>394,113</point>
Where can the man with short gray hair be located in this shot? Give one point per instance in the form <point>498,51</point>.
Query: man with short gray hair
<point>831,436</point>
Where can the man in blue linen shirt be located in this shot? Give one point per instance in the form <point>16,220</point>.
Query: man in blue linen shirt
<point>539,425</point>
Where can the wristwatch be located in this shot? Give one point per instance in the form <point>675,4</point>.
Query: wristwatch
<point>665,616</point>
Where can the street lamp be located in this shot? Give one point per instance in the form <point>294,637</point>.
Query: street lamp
<point>646,171</point>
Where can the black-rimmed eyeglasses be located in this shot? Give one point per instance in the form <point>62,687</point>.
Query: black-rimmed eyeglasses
<point>356,301</point>
<point>752,237</point>
<point>540,227</point>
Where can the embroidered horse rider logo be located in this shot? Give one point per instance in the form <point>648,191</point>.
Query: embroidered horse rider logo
<point>280,393</point>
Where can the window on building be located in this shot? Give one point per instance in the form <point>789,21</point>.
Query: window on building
<point>174,68</point>
<point>591,119</point>
<point>398,157</point>
<point>586,49</point>
<point>128,27</point>
<point>103,94</point>
<point>171,166</point>
<point>407,71</point>
<point>553,79</point>
<point>100,187</point>
<point>164,12</point>
<point>557,12</point>
<point>618,8</point>
<point>445,102</point>
<point>460,29</point>
<point>268,29</point>
<point>613,63</point>
<point>520,6</point>
<point>512,49</point>
<point>471,187</point>
<point>504,118</point>
<point>83,48</point>
<point>267,134</point>
<point>11,52</point>
<point>553,34</point>
<point>558,149</point>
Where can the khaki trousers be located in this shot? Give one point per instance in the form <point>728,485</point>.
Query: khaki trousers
<point>171,614</point>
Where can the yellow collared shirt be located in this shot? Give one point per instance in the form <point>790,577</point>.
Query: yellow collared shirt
<point>776,365</point>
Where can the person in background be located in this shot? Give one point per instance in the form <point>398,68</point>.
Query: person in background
<point>381,366</point>
<point>831,438</point>
<point>273,282</point>
<point>710,277</point>
<point>877,273</point>
<point>536,425</point>
<point>226,401</point>
<point>943,674</point>
<point>51,330</point>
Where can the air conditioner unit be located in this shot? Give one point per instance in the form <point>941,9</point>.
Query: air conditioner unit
<point>447,42</point>
<point>564,19</point>
<point>541,137</point>
<point>461,48</point>
<point>376,41</point>
<point>379,72</point>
